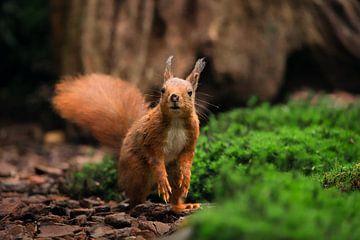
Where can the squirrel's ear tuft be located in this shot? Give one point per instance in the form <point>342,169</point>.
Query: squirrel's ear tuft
<point>195,74</point>
<point>168,72</point>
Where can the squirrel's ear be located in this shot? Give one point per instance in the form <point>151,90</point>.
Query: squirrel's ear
<point>168,72</point>
<point>195,74</point>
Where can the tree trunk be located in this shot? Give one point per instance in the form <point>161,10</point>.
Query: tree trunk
<point>248,43</point>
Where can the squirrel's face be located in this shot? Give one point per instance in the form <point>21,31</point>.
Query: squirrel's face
<point>178,95</point>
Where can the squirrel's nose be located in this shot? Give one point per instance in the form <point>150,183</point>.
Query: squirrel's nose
<point>174,98</point>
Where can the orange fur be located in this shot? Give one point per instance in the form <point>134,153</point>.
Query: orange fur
<point>103,104</point>
<point>156,147</point>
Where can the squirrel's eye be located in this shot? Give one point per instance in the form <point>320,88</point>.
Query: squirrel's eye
<point>162,90</point>
<point>190,93</point>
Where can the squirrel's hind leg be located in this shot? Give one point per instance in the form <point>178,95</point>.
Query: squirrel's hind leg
<point>176,198</point>
<point>135,181</point>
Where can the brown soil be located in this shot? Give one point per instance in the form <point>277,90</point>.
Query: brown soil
<point>31,206</point>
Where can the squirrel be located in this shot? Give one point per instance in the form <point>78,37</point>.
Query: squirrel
<point>156,145</point>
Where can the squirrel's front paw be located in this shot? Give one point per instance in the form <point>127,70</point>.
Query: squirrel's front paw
<point>184,184</point>
<point>164,189</point>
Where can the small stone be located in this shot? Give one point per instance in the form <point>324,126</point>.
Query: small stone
<point>17,232</point>
<point>43,188</point>
<point>147,234</point>
<point>102,208</point>
<point>43,169</point>
<point>127,232</point>
<point>9,206</point>
<point>50,218</point>
<point>90,203</point>
<point>118,220</point>
<point>10,194</point>
<point>98,219</point>
<point>31,228</point>
<point>161,228</point>
<point>36,199</point>
<point>158,228</point>
<point>14,185</point>
<point>122,207</point>
<point>36,179</point>
<point>58,210</point>
<point>7,170</point>
<point>91,223</point>
<point>130,238</point>
<point>112,204</point>
<point>81,211</point>
<point>57,230</point>
<point>3,234</point>
<point>72,203</point>
<point>139,237</point>
<point>68,204</point>
<point>177,224</point>
<point>57,198</point>
<point>80,220</point>
<point>32,211</point>
<point>101,231</point>
<point>81,236</point>
<point>183,233</point>
<point>103,214</point>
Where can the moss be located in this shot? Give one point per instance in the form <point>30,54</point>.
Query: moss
<point>345,178</point>
<point>263,203</point>
<point>94,179</point>
<point>266,167</point>
<point>294,137</point>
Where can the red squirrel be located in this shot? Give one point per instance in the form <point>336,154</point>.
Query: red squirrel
<point>156,146</point>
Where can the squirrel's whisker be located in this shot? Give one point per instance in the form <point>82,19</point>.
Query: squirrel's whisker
<point>206,102</point>
<point>204,108</point>
<point>204,94</point>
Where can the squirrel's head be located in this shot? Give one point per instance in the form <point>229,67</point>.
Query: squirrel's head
<point>178,95</point>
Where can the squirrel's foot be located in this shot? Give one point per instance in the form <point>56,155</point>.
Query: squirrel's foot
<point>185,206</point>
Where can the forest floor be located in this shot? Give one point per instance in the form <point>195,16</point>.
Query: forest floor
<point>34,167</point>
<point>32,207</point>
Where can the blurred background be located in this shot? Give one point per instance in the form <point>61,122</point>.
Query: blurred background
<point>275,168</point>
<point>268,49</point>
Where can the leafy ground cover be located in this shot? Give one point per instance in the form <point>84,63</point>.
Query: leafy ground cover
<point>263,203</point>
<point>311,139</point>
<point>94,179</point>
<point>284,171</point>
<point>281,172</point>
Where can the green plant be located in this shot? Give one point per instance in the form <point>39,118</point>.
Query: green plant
<point>94,179</point>
<point>311,139</point>
<point>345,178</point>
<point>266,168</point>
<point>259,202</point>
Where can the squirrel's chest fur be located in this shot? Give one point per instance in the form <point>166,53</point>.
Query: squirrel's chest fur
<point>175,140</point>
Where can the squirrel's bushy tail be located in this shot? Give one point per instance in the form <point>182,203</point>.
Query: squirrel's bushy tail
<point>105,105</point>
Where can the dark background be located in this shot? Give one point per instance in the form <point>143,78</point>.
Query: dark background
<point>26,64</point>
<point>267,49</point>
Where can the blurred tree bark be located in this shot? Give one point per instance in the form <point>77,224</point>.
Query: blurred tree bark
<point>247,43</point>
